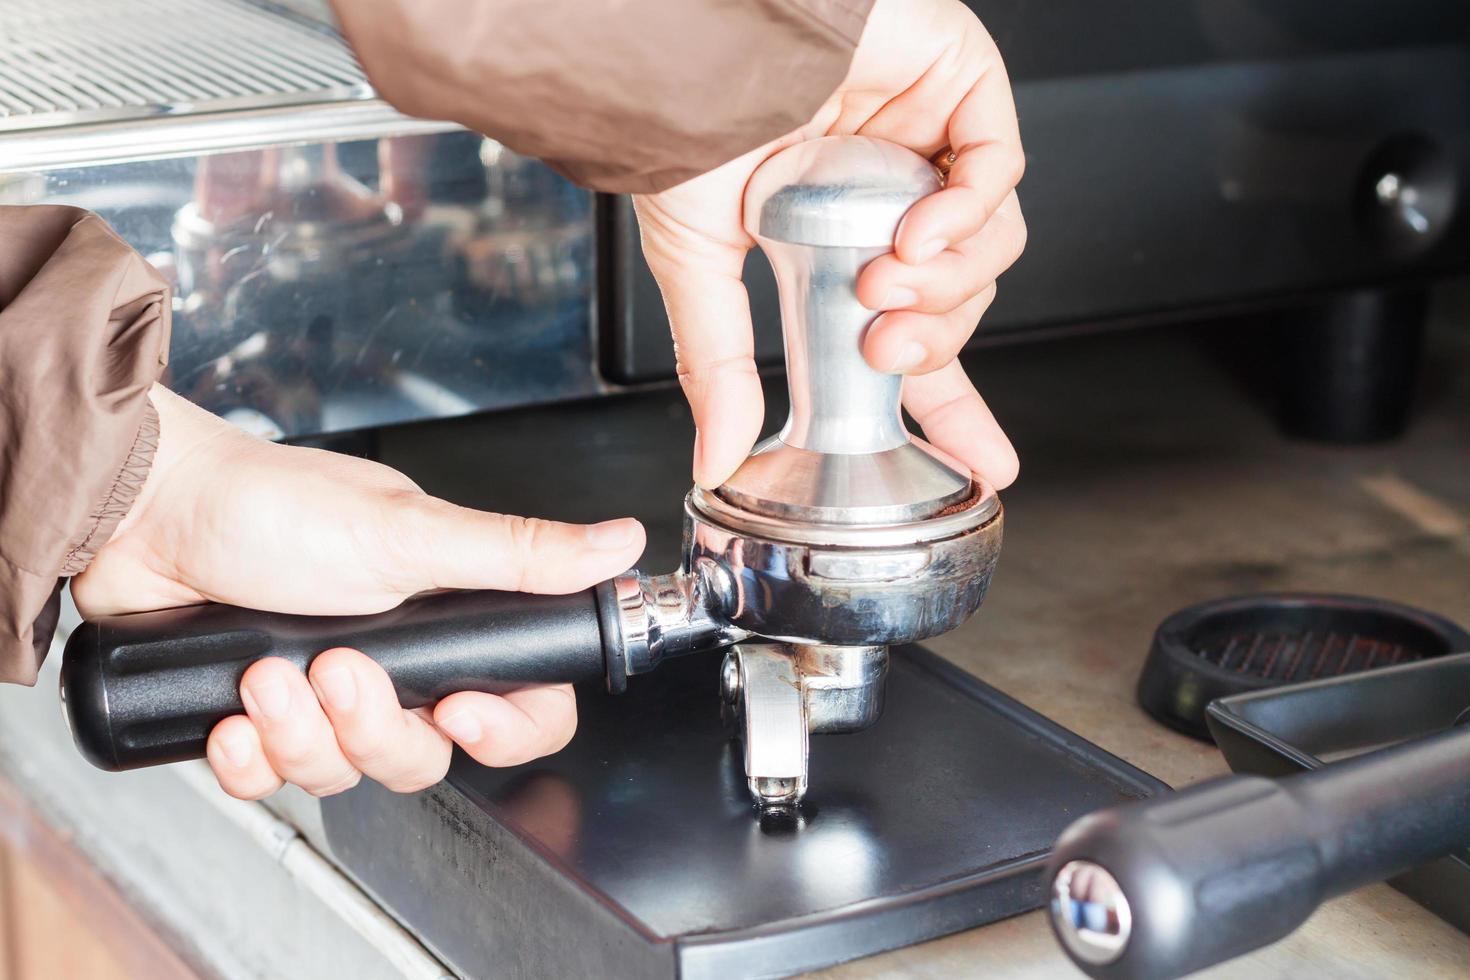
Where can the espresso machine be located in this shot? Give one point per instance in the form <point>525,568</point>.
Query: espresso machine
<point>839,543</point>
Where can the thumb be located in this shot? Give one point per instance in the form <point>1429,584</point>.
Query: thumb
<point>451,547</point>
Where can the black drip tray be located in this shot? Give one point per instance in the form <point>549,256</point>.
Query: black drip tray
<point>636,851</point>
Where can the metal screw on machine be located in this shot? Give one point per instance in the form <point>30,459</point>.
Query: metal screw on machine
<point>842,535</point>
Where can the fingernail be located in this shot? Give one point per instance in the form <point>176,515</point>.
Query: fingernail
<point>237,748</point>
<point>929,249</point>
<point>271,698</point>
<point>337,686</point>
<point>900,298</point>
<point>611,535</point>
<point>698,454</point>
<point>462,726</point>
<point>910,355</point>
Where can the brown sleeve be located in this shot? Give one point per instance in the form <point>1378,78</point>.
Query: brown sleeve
<point>631,96</point>
<point>84,326</point>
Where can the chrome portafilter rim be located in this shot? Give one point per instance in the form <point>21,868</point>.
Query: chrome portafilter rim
<point>982,507</point>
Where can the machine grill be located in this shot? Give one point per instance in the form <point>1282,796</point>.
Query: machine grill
<point>71,62</point>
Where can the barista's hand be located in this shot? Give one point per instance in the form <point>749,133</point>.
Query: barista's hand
<point>230,518</point>
<point>925,75</point>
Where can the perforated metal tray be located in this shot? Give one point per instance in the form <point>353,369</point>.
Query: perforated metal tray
<point>104,81</point>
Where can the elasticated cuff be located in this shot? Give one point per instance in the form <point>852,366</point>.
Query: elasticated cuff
<point>84,325</point>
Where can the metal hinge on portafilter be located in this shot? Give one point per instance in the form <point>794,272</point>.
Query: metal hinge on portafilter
<point>837,538</point>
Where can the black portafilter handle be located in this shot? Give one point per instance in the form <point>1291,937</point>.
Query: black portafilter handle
<point>1164,887</point>
<point>146,688</point>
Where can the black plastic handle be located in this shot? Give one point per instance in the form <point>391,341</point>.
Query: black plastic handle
<point>147,688</point>
<point>1234,864</point>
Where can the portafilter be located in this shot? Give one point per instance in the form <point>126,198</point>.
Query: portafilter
<point>838,537</point>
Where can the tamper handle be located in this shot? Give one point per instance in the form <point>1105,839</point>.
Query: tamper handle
<point>821,211</point>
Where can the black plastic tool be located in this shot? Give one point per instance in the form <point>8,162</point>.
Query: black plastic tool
<point>1252,642</point>
<point>1165,887</point>
<point>1293,729</point>
<point>146,688</point>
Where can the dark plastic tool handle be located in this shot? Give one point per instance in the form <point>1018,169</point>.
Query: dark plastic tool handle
<point>146,688</point>
<point>1231,865</point>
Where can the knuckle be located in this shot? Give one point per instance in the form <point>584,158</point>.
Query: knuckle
<point>698,377</point>
<point>366,749</point>
<point>341,785</point>
<point>293,753</point>
<point>526,535</point>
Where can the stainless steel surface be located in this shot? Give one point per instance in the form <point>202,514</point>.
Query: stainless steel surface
<point>837,192</point>
<point>849,593</point>
<point>662,616</point>
<point>821,211</point>
<point>337,266</point>
<point>772,723</point>
<point>168,137</point>
<point>841,686</point>
<point>776,695</point>
<point>86,82</point>
<point>329,286</point>
<point>71,62</point>
<point>1090,912</point>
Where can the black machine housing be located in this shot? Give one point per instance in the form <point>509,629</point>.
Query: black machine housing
<point>1190,160</point>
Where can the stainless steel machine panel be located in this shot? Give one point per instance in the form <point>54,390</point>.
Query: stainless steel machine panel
<point>337,265</point>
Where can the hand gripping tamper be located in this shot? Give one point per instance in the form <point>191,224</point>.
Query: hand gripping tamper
<point>838,537</point>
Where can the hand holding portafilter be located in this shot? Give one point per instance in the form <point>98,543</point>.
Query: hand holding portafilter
<point>839,537</point>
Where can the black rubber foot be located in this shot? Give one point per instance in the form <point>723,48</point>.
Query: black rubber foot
<point>1351,364</point>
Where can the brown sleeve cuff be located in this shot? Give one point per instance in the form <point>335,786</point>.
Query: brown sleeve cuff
<point>84,326</point>
<point>100,524</point>
<point>628,97</point>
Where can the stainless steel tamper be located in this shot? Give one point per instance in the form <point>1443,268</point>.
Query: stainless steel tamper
<point>842,535</point>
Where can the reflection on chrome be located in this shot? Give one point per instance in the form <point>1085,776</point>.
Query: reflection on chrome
<point>335,286</point>
<point>1091,913</point>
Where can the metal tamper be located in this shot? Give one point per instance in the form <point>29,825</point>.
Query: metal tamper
<point>838,537</point>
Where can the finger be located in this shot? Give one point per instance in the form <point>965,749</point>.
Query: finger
<point>904,342</point>
<point>509,730</point>
<point>238,760</point>
<point>439,545</point>
<point>988,165</point>
<point>709,313</point>
<point>398,748</point>
<point>952,277</point>
<point>294,731</point>
<point>956,419</point>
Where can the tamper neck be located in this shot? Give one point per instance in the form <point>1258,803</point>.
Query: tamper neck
<point>821,211</point>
